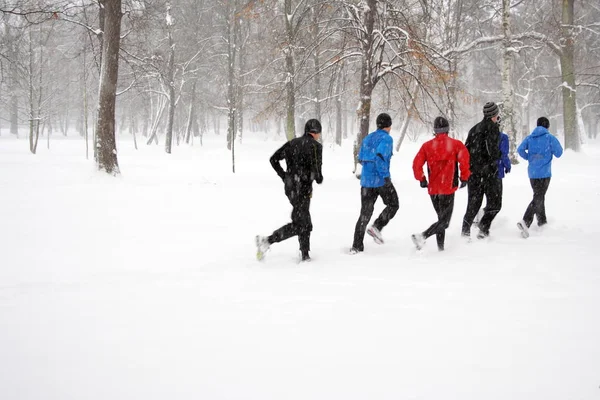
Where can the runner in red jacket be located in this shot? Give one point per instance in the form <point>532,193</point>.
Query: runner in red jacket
<point>443,156</point>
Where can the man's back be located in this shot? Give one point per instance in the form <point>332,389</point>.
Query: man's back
<point>483,143</point>
<point>442,155</point>
<point>303,158</point>
<point>541,146</point>
<point>375,155</point>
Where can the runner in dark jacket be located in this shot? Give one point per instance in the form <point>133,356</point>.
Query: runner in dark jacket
<point>303,158</point>
<point>483,143</point>
<point>504,167</point>
<point>443,156</point>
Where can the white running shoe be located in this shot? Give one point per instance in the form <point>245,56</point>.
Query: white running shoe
<point>353,251</point>
<point>419,240</point>
<point>262,246</point>
<point>523,228</point>
<point>375,234</point>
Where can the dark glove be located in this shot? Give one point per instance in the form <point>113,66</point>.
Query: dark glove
<point>507,170</point>
<point>319,179</point>
<point>387,181</point>
<point>423,183</point>
<point>463,184</point>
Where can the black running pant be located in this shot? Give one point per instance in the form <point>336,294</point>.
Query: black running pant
<point>443,205</point>
<point>368,197</point>
<point>537,206</point>
<point>301,224</point>
<point>479,186</point>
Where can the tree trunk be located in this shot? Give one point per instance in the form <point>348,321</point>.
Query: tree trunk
<point>240,80</point>
<point>191,114</point>
<point>231,81</point>
<point>569,94</point>
<point>508,119</point>
<point>366,80</point>
<point>32,116</point>
<point>170,84</point>
<point>109,70</point>
<point>290,124</point>
<point>85,102</point>
<point>316,63</point>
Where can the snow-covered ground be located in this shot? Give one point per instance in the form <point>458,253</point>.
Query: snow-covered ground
<point>146,286</point>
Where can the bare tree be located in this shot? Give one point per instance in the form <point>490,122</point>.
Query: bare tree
<point>109,72</point>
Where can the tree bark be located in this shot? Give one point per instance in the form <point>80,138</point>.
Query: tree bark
<point>105,125</point>
<point>366,79</point>
<point>290,124</point>
<point>569,93</point>
<point>508,119</point>
<point>231,80</point>
<point>170,84</point>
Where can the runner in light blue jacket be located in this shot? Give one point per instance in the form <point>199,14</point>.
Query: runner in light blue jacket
<point>538,148</point>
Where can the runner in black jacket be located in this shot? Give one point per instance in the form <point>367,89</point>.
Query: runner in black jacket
<point>303,158</point>
<point>483,143</point>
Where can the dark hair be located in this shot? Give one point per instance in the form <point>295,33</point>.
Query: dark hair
<point>543,121</point>
<point>312,126</point>
<point>383,121</point>
<point>441,125</point>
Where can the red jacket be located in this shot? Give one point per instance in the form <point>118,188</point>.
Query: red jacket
<point>442,154</point>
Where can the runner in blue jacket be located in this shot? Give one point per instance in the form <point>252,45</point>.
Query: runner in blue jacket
<point>538,148</point>
<point>375,155</point>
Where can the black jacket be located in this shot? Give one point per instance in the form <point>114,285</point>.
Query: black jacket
<point>303,158</point>
<point>483,143</point>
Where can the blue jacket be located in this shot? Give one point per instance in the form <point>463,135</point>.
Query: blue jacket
<point>375,155</point>
<point>538,148</point>
<point>504,162</point>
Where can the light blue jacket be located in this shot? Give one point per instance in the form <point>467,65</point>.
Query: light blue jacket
<point>538,148</point>
<point>375,155</point>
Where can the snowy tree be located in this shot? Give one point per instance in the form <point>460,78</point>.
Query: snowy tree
<point>109,72</point>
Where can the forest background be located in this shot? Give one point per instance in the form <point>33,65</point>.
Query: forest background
<point>169,72</point>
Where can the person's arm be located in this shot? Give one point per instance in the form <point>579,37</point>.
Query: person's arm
<point>383,157</point>
<point>318,163</point>
<point>418,164</point>
<point>504,150</point>
<point>463,159</point>
<point>276,158</point>
<point>523,149</point>
<point>470,138</point>
<point>557,149</point>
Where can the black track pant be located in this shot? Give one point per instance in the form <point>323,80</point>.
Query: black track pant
<point>301,224</point>
<point>368,197</point>
<point>537,206</point>
<point>443,205</point>
<point>479,186</point>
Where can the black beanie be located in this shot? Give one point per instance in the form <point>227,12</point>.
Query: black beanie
<point>312,126</point>
<point>490,109</point>
<point>441,125</point>
<point>383,121</point>
<point>543,121</point>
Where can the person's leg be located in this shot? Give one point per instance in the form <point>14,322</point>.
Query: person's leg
<point>493,194</point>
<point>434,228</point>
<point>446,206</point>
<point>531,208</point>
<point>293,228</point>
<point>539,195</point>
<point>475,198</point>
<point>390,199</point>
<point>303,220</point>
<point>368,196</point>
